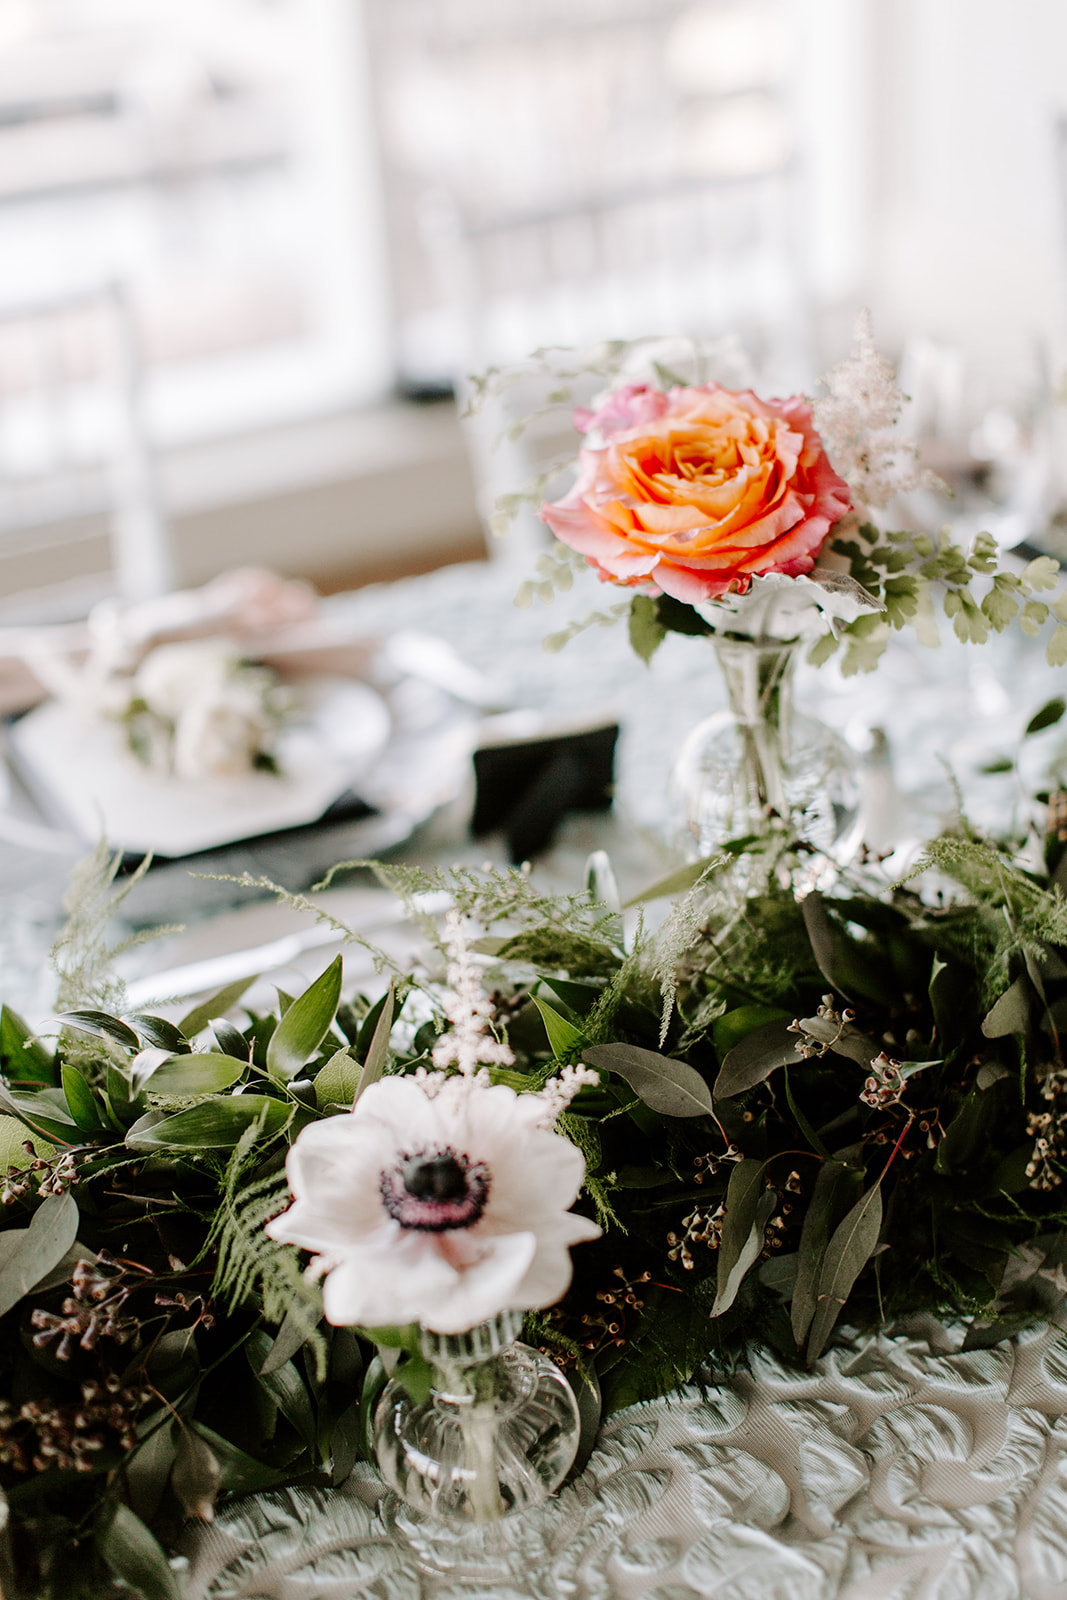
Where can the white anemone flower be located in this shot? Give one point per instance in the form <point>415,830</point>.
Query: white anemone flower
<point>440,1201</point>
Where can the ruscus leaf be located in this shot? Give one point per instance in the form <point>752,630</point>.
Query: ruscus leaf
<point>304,1025</point>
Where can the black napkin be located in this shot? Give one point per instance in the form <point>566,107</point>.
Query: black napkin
<point>526,787</point>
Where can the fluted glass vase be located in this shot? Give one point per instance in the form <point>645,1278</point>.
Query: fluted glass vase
<point>760,768</point>
<point>496,1434</point>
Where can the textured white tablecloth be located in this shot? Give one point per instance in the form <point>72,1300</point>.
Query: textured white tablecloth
<point>900,1469</point>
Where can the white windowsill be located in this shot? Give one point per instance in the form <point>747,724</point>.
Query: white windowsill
<point>341,499</point>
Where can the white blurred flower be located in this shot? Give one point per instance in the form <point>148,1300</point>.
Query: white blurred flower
<point>173,676</point>
<point>210,715</point>
<point>221,734</point>
<point>441,1208</point>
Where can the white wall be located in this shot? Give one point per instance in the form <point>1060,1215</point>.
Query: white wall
<point>967,225</point>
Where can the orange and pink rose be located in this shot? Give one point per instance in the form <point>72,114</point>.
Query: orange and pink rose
<point>695,491</point>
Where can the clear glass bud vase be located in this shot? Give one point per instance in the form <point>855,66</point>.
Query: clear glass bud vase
<point>761,767</point>
<point>496,1434</point>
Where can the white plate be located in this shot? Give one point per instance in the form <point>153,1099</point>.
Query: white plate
<point>85,777</point>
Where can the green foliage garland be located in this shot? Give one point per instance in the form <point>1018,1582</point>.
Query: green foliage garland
<point>811,1114</point>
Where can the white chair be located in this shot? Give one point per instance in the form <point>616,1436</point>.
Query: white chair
<point>75,457</point>
<point>711,259</point>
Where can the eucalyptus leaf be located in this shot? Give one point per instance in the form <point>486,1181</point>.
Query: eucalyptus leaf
<point>1011,1013</point>
<point>755,1058</point>
<point>821,935</point>
<point>779,1274</point>
<point>673,1088</point>
<point>836,1189</point>
<point>39,1116</point>
<point>133,1553</point>
<point>148,1465</point>
<point>211,1125</point>
<point>13,1136</point>
<point>196,1475</point>
<point>101,1026</point>
<point>750,1252</point>
<point>378,1050</point>
<point>216,1005</point>
<point>848,1252</point>
<point>736,1024</point>
<point>563,1037</point>
<point>845,1041</point>
<point>52,1230</point>
<point>947,990</point>
<point>304,1025</point>
<point>736,1253</point>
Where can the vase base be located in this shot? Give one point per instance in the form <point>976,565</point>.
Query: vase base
<point>717,796</point>
<point>476,1452</point>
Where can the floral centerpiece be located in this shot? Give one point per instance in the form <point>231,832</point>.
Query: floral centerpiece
<point>222,1234</point>
<point>706,502</point>
<point>769,526</point>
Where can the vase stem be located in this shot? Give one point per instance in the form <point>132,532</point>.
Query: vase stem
<point>758,675</point>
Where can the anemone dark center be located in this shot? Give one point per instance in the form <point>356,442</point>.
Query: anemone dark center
<point>439,1177</point>
<point>434,1190</point>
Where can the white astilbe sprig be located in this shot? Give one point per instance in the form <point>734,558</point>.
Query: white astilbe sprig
<point>558,1092</point>
<point>471,1047</point>
<point>469,1044</point>
<point>859,422</point>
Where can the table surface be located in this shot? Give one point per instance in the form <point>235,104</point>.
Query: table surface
<point>946,712</point>
<point>900,1467</point>
<point>904,1467</point>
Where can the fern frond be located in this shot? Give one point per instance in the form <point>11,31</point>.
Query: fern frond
<point>82,957</point>
<point>252,1265</point>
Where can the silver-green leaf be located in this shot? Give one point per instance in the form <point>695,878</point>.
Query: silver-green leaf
<point>741,1242</point>
<point>848,1252</point>
<point>673,1088</point>
<point>754,1058</point>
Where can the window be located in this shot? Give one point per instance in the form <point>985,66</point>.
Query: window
<point>214,156</point>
